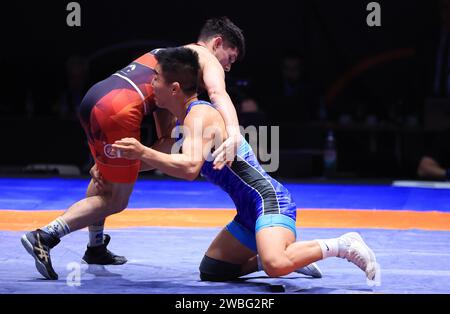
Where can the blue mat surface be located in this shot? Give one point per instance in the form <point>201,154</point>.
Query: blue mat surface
<point>165,260</point>
<point>56,193</point>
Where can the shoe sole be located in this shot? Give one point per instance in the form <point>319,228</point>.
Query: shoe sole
<point>317,273</point>
<point>311,270</point>
<point>373,268</point>
<point>39,265</point>
<point>114,264</point>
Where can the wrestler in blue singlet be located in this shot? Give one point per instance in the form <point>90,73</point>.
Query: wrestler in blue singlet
<point>260,200</point>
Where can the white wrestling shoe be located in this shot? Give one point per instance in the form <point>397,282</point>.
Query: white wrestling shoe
<point>353,248</point>
<point>311,270</point>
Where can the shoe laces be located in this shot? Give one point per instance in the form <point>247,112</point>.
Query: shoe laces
<point>354,255</point>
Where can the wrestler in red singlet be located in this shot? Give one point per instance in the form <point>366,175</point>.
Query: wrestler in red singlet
<point>113,109</point>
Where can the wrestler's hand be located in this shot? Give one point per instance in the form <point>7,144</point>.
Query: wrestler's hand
<point>97,179</point>
<point>225,153</point>
<point>129,148</point>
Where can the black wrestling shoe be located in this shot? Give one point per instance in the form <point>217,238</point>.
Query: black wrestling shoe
<point>99,255</point>
<point>38,243</point>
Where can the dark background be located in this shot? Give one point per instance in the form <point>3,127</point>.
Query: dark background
<point>367,84</point>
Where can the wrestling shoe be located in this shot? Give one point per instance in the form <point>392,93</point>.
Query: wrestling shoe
<point>353,248</point>
<point>100,255</point>
<point>38,244</point>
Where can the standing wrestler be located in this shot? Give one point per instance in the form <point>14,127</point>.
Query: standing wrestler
<point>113,109</point>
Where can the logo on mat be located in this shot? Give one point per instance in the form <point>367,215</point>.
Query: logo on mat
<point>108,151</point>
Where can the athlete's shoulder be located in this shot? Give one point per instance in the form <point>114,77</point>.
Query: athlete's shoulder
<point>197,47</point>
<point>202,106</point>
<point>203,110</point>
<point>156,51</point>
<point>204,55</point>
<point>147,59</point>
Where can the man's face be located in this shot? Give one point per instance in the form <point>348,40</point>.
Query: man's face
<point>161,89</point>
<point>226,55</point>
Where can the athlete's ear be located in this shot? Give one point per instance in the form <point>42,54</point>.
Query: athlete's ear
<point>175,88</point>
<point>218,41</point>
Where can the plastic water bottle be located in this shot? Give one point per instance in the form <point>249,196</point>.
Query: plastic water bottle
<point>330,155</point>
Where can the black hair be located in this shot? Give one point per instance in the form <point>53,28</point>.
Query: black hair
<point>228,30</point>
<point>180,65</point>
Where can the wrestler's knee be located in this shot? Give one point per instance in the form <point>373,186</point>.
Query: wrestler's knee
<point>215,270</point>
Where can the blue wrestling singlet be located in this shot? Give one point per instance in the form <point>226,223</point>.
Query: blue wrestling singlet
<point>260,200</point>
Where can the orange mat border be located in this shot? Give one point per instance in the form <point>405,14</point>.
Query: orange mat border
<point>15,220</point>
